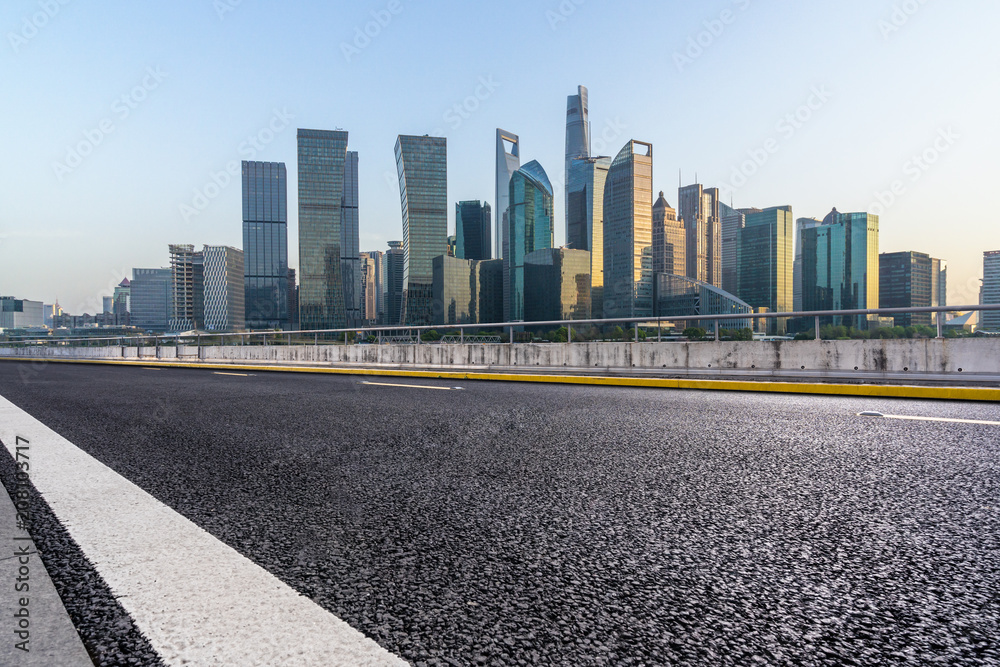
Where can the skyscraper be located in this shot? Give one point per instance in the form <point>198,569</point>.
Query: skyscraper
<point>577,138</point>
<point>912,280</point>
<point>669,239</point>
<point>699,208</point>
<point>224,289</point>
<point>394,261</point>
<point>293,301</point>
<point>731,221</point>
<point>531,228</point>
<point>557,285</point>
<point>628,232</point>
<point>989,320</point>
<point>349,241</point>
<point>508,156</point>
<point>585,219</point>
<point>840,266</point>
<point>422,166</point>
<point>764,259</point>
<point>473,222</point>
<point>187,306</point>
<point>265,245</point>
<point>369,289</point>
<point>800,225</point>
<point>322,158</point>
<point>150,299</point>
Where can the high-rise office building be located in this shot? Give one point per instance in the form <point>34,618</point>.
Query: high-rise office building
<point>21,313</point>
<point>394,261</point>
<point>531,228</point>
<point>473,224</point>
<point>557,285</point>
<point>577,139</point>
<point>731,221</point>
<point>585,219</point>
<point>150,295</point>
<point>422,166</point>
<point>912,280</point>
<point>508,156</point>
<point>989,320</point>
<point>187,306</point>
<point>669,239</point>
<point>764,261</point>
<point>265,244</point>
<point>628,232</point>
<point>469,291</point>
<point>800,225</point>
<point>350,252</point>
<point>322,160</point>
<point>369,290</point>
<point>224,289</point>
<point>840,266</point>
<point>122,301</point>
<point>698,207</point>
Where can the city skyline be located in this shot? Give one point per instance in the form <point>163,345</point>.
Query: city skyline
<point>847,155</point>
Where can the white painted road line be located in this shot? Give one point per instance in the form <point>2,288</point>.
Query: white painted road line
<point>197,600</point>
<point>242,375</point>
<point>412,386</point>
<point>929,419</point>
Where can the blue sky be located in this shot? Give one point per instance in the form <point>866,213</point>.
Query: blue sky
<point>812,104</point>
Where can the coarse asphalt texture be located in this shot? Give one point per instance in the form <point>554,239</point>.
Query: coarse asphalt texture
<point>516,524</point>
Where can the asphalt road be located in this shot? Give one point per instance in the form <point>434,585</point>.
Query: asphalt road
<point>517,524</point>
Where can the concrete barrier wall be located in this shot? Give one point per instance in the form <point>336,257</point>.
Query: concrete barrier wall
<point>977,355</point>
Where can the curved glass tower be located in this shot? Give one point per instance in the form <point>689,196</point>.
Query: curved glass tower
<point>628,231</point>
<point>531,229</point>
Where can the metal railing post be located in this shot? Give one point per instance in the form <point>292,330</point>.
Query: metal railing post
<point>817,336</point>
<point>940,325</point>
<point>659,331</point>
<point>716,331</point>
<point>635,328</point>
<point>461,335</point>
<point>569,333</point>
<point>511,335</point>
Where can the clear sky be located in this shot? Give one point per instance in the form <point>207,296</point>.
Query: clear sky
<point>162,95</point>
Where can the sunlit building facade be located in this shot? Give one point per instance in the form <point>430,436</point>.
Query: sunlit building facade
<point>912,280</point>
<point>764,261</point>
<point>698,207</point>
<point>224,289</point>
<point>585,182</point>
<point>557,285</point>
<point>669,239</point>
<point>628,231</point>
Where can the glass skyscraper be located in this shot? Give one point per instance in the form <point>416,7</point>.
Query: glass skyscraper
<point>322,157</point>
<point>577,138</point>
<point>508,156</point>
<point>585,219</point>
<point>265,245</point>
<point>912,280</point>
<point>531,229</point>
<point>422,166</point>
<point>393,283</point>
<point>699,208</point>
<point>628,233</point>
<point>800,225</point>
<point>350,246</point>
<point>764,263</point>
<point>473,222</point>
<point>840,269</point>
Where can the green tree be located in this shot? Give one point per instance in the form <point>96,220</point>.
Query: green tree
<point>695,333</point>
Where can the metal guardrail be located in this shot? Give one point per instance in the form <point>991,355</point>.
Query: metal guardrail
<point>396,334</point>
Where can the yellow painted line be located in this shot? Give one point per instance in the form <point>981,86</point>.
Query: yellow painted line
<point>942,419</point>
<point>991,394</point>
<point>411,386</point>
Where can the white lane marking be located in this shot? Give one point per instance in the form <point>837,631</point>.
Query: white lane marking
<point>929,419</point>
<point>242,375</point>
<point>197,600</point>
<point>412,386</point>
